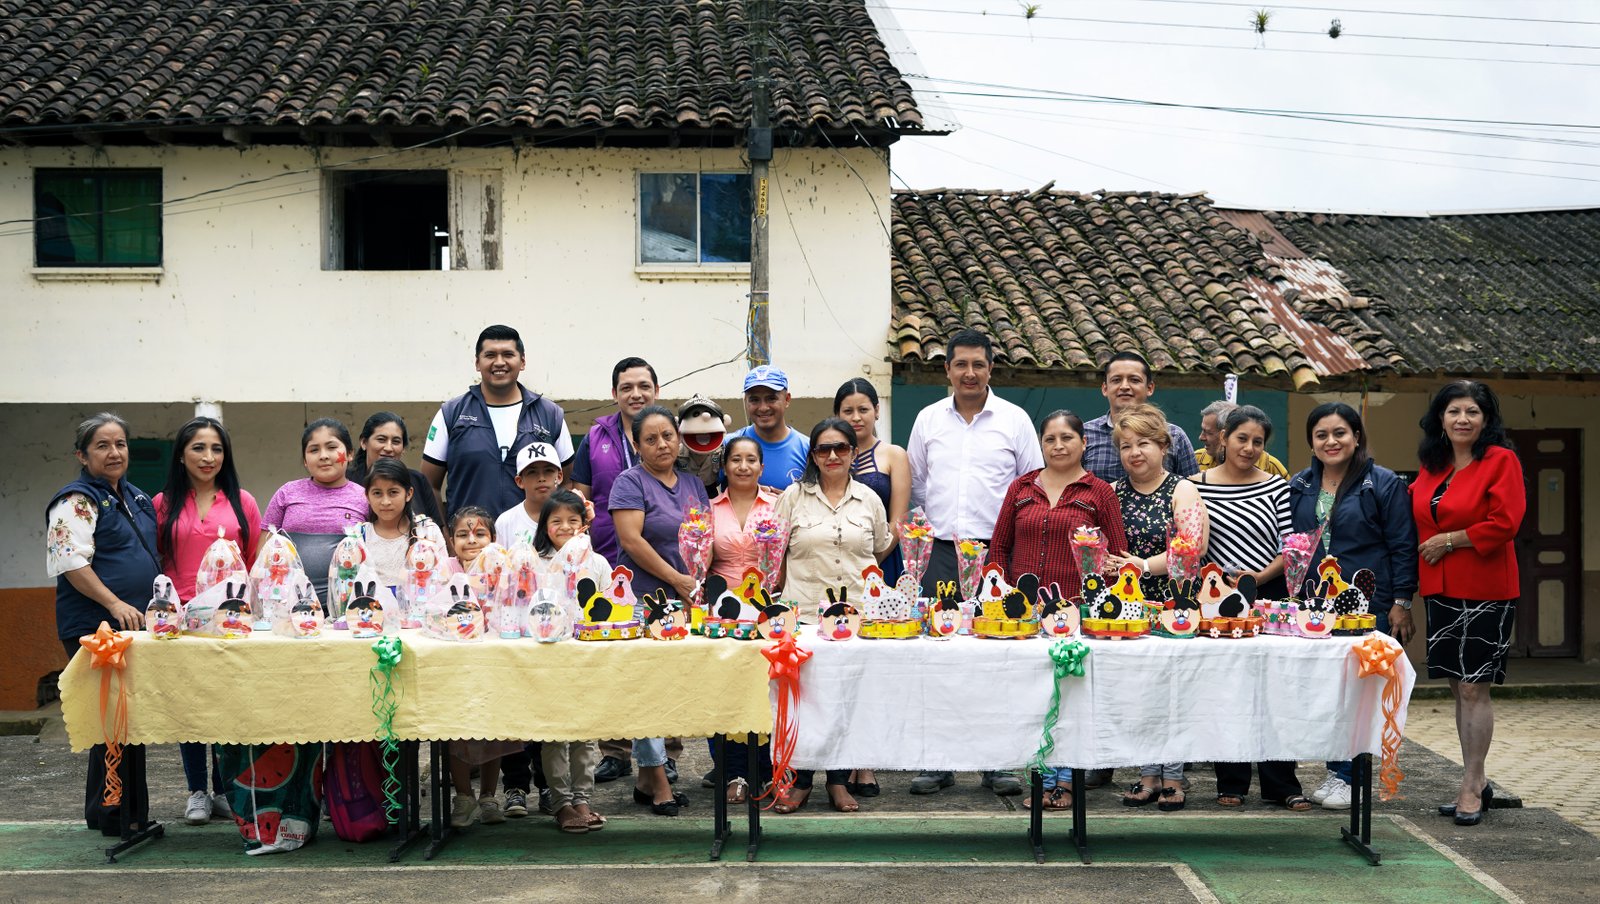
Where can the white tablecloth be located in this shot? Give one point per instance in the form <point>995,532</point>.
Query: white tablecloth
<point>973,704</point>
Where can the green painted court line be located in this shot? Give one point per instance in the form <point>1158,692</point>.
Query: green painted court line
<point>1239,860</point>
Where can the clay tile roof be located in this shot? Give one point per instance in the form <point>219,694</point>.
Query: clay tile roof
<point>536,64</point>
<point>1062,281</point>
<point>1471,293</point>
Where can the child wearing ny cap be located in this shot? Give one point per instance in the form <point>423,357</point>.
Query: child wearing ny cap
<point>538,474</point>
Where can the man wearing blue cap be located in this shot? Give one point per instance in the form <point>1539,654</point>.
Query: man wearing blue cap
<point>783,449</point>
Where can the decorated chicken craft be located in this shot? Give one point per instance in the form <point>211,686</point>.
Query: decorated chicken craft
<point>604,614</point>
<point>1006,612</point>
<point>885,611</point>
<point>1351,602</point>
<point>1227,610</point>
<point>348,557</point>
<point>736,611</point>
<point>163,618</point>
<point>840,620</point>
<point>1115,610</point>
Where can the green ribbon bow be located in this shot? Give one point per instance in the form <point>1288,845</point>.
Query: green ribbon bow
<point>385,701</point>
<point>1068,658</point>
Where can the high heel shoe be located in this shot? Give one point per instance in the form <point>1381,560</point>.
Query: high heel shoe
<point>1472,819</point>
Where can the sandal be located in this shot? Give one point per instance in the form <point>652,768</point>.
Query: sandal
<point>1299,803</point>
<point>738,791</point>
<point>793,801</point>
<point>1230,801</point>
<point>1140,794</point>
<point>595,821</point>
<point>1172,800</point>
<point>842,806</point>
<point>570,821</point>
<point>1058,798</point>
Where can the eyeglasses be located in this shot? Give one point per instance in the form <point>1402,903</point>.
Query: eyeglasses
<point>824,450</point>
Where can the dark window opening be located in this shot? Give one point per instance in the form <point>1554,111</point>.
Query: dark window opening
<point>97,217</point>
<point>392,219</point>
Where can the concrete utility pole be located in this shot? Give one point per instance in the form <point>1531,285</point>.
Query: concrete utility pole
<point>758,145</point>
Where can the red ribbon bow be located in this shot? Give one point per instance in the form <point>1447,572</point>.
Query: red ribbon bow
<point>784,659</point>
<point>108,652</point>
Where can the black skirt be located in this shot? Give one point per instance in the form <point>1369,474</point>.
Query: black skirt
<point>1468,639</point>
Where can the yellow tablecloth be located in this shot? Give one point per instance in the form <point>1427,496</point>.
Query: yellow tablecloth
<point>268,689</point>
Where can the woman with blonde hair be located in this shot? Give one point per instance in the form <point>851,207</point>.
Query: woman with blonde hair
<point>1152,498</point>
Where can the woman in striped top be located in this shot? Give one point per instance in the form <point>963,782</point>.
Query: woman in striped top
<point>1249,513</point>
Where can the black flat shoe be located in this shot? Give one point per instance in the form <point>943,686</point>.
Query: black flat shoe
<point>1449,810</point>
<point>864,789</point>
<point>669,808</point>
<point>1472,819</point>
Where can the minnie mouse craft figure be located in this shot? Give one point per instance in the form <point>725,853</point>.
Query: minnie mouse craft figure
<point>663,618</point>
<point>840,620</point>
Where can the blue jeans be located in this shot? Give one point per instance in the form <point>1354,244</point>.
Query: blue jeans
<point>195,758</point>
<point>1345,770</point>
<point>649,752</point>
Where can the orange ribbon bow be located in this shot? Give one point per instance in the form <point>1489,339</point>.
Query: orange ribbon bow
<point>108,652</point>
<point>784,660</point>
<point>1376,655</point>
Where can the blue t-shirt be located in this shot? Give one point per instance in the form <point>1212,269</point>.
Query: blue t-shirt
<point>782,462</point>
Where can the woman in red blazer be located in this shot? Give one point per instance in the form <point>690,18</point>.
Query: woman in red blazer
<point>1468,502</point>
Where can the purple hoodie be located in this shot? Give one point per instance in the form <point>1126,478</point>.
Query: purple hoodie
<point>608,454</point>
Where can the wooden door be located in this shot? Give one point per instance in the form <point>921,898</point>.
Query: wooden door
<point>1550,545</point>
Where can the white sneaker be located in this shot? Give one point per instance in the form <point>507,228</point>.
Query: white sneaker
<point>463,810</point>
<point>220,808</point>
<point>489,812</point>
<point>198,812</point>
<point>1329,781</point>
<point>1338,798</point>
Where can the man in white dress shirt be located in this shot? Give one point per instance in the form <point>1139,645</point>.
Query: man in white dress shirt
<point>965,451</point>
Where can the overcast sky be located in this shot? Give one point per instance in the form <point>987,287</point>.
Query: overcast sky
<point>1434,61</point>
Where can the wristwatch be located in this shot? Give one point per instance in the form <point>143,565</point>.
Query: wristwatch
<point>1404,604</point>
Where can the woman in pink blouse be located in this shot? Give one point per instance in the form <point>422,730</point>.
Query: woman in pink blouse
<point>202,475</point>
<point>733,550</point>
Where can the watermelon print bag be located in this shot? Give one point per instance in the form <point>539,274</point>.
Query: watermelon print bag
<point>273,790</point>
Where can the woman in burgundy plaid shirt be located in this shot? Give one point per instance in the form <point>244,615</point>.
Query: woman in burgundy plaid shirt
<point>1042,509</point>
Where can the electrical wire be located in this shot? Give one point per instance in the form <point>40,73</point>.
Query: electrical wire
<point>1369,12</point>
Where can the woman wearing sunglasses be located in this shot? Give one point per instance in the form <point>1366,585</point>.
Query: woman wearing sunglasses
<point>837,528</point>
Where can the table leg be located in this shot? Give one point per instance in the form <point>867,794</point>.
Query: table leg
<point>439,787</point>
<point>719,796</point>
<point>1359,834</point>
<point>130,837</point>
<point>1080,817</point>
<point>410,827</point>
<point>753,806</point>
<point>1036,814</point>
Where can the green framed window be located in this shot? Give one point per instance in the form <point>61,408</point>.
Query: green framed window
<point>97,217</point>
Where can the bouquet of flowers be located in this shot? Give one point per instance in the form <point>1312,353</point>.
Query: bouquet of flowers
<point>1090,548</point>
<point>916,546</point>
<point>694,544</point>
<point>970,555</point>
<point>771,537</point>
<point>1299,550</point>
<point>1183,547</point>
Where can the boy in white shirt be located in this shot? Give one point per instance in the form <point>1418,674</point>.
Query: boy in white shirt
<point>538,475</point>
